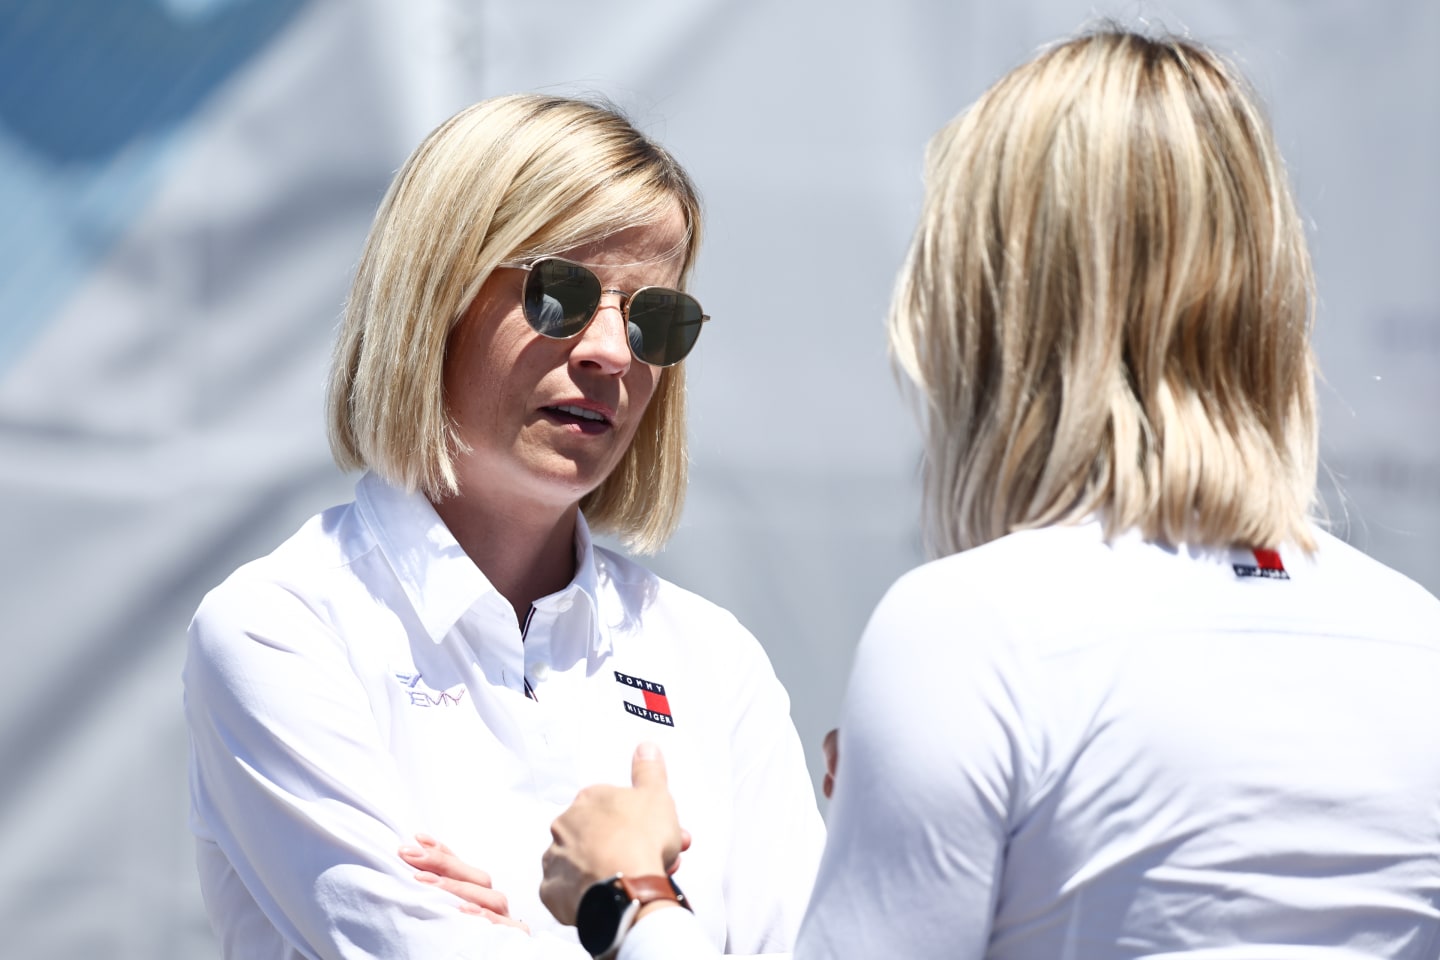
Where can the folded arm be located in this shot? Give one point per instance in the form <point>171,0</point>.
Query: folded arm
<point>295,794</point>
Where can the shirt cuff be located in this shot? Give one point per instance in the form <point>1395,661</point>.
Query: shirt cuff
<point>667,935</point>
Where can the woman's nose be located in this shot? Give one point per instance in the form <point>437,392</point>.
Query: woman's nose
<point>605,341</point>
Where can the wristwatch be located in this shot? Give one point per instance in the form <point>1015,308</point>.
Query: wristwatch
<point>607,910</point>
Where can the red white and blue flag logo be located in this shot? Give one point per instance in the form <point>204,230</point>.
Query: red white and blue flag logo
<point>1266,565</point>
<point>649,702</point>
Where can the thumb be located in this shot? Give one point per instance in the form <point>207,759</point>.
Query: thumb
<point>647,768</point>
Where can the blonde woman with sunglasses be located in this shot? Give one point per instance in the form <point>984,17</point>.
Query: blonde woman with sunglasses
<point>451,655</point>
<point>1160,713</point>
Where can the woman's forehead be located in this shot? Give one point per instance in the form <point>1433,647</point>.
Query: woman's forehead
<point>661,242</point>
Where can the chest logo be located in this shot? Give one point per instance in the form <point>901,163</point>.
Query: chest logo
<point>422,696</point>
<point>655,706</point>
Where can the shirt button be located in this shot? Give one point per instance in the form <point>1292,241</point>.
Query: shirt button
<point>564,604</point>
<point>539,671</point>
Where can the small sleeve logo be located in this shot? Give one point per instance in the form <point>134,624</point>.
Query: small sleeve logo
<point>653,705</point>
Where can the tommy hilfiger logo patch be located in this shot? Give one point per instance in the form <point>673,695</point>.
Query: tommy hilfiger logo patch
<point>1267,565</point>
<point>656,707</point>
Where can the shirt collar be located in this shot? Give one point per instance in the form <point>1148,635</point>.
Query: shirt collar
<point>438,577</point>
<point>586,577</point>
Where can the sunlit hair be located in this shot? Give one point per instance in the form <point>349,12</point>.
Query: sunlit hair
<point>506,179</point>
<point>1106,307</point>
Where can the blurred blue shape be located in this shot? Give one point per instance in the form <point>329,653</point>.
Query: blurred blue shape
<point>92,95</point>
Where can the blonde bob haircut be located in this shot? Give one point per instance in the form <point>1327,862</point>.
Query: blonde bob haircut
<point>1107,304</point>
<point>506,179</point>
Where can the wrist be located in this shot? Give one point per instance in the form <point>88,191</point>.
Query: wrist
<point>654,906</point>
<point>609,908</point>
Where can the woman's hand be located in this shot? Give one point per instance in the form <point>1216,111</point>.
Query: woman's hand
<point>609,830</point>
<point>831,747</point>
<point>438,865</point>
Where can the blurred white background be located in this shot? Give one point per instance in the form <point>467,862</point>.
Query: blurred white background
<point>185,187</point>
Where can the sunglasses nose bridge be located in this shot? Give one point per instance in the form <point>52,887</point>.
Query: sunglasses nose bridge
<point>621,299</point>
<point>603,339</point>
<point>611,298</point>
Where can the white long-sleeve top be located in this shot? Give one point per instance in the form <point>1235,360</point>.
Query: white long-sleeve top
<point>1054,747</point>
<point>365,682</point>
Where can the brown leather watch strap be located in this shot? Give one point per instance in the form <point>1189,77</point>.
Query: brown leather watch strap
<point>648,889</point>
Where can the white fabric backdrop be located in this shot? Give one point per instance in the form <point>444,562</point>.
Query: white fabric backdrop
<point>187,184</point>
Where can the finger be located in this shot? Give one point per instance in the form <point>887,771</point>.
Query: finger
<point>831,748</point>
<point>558,898</point>
<point>444,864</point>
<point>425,840</point>
<point>483,897</point>
<point>546,858</point>
<point>447,867</point>
<point>685,839</point>
<point>647,769</point>
<point>494,917</point>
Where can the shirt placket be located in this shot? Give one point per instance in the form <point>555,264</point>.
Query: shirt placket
<point>555,639</point>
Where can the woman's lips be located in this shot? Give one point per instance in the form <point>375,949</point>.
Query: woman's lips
<point>588,418</point>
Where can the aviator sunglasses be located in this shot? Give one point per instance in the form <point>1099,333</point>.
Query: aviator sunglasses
<point>561,298</point>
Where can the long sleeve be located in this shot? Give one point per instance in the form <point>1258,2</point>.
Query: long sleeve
<point>776,847</point>
<point>297,806</point>
<point>668,935</point>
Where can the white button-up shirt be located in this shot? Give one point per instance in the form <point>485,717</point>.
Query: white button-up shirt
<point>365,682</point>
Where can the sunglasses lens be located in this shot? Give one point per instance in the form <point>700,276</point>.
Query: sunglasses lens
<point>664,325</point>
<point>560,298</point>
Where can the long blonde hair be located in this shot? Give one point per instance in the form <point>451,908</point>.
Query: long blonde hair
<point>1106,306</point>
<point>507,178</point>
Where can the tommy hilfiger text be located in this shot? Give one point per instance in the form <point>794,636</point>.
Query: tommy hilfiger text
<point>654,716</point>
<point>657,705</point>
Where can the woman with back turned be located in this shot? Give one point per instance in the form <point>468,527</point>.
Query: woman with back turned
<point>1143,706</point>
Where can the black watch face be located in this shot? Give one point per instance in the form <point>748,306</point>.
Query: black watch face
<point>597,918</point>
